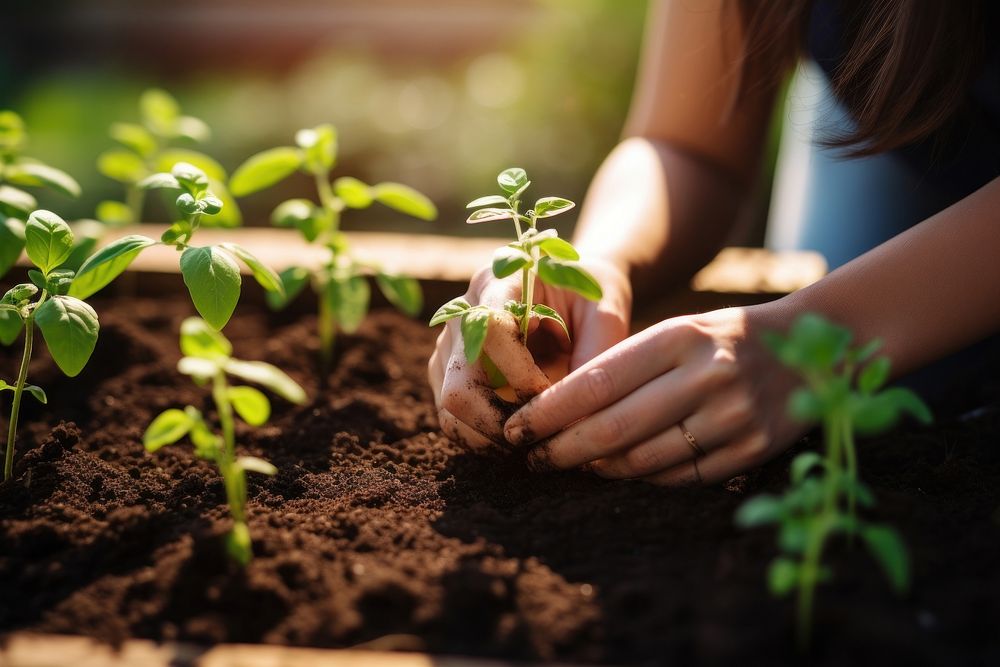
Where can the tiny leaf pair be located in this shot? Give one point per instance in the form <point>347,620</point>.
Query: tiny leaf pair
<point>208,360</point>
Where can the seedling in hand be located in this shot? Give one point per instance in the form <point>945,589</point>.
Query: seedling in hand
<point>844,392</point>
<point>211,273</point>
<point>149,147</point>
<point>535,253</point>
<point>340,282</point>
<point>208,359</point>
<point>16,171</point>
<point>69,326</point>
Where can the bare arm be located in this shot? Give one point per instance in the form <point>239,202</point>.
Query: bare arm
<point>664,200</point>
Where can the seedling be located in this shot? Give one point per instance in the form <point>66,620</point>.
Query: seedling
<point>211,273</point>
<point>18,170</point>
<point>844,392</point>
<point>340,281</point>
<point>208,358</point>
<point>535,253</point>
<point>149,147</point>
<point>68,325</point>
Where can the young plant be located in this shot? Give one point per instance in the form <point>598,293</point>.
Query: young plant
<point>535,253</point>
<point>211,273</point>
<point>208,358</point>
<point>147,148</point>
<point>68,325</point>
<point>18,170</point>
<point>340,282</point>
<point>844,392</point>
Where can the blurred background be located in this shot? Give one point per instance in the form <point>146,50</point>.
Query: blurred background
<point>437,94</point>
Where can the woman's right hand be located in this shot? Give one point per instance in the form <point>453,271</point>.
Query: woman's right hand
<point>469,409</point>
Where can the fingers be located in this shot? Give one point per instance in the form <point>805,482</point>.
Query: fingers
<point>597,384</point>
<point>597,331</point>
<point>503,346</point>
<point>649,410</point>
<point>724,418</point>
<point>724,463</point>
<point>461,432</point>
<point>436,364</point>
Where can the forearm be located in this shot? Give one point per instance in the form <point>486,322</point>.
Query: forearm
<point>658,213</point>
<point>926,293</point>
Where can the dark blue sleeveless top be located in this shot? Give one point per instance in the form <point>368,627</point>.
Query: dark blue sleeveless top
<point>966,157</point>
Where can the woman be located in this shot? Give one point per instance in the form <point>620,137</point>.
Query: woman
<point>698,398</point>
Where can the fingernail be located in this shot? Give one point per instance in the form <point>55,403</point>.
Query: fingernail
<point>538,459</point>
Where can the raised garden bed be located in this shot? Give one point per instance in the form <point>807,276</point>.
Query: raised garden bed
<point>378,531</point>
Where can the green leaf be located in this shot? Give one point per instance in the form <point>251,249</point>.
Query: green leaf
<point>264,170</point>
<point>454,308</point>
<point>262,273</point>
<point>301,214</point>
<point>793,535</point>
<point>37,278</point>
<point>190,177</point>
<point>782,576</point>
<point>70,329</point>
<point>320,147</point>
<point>11,242</point>
<point>230,215</point>
<point>805,405</point>
<point>543,312</point>
<point>475,324</point>
<point>121,165</point>
<point>12,132</point>
<point>508,261</point>
<point>86,233</point>
<point>11,325</point>
<point>107,264</point>
<point>213,279</point>
<point>16,203</point>
<point>354,193</point>
<point>405,200</point>
<point>59,281</point>
<point>348,298</point>
<point>37,392</point>
<point>254,464</point>
<point>293,279</point>
<point>166,160</point>
<point>488,200</point>
<point>207,445</point>
<point>401,291</point>
<point>160,181</point>
<point>547,207</point>
<point>876,413</point>
<point>803,464</point>
<point>489,215</point>
<point>135,137</point>
<point>269,377</point>
<point>200,340</point>
<point>42,175</point>
<point>886,546</point>
<point>493,374</point>
<point>759,511</point>
<point>862,353</point>
<point>192,128</point>
<point>513,179</point>
<point>160,111</point>
<point>48,240</point>
<point>19,293</point>
<point>816,343</point>
<point>169,427</point>
<point>558,248</point>
<point>569,276</point>
<point>200,369</point>
<point>874,375</point>
<point>250,404</point>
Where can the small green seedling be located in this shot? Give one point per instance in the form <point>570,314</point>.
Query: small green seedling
<point>148,147</point>
<point>68,325</point>
<point>844,392</point>
<point>340,282</point>
<point>208,358</point>
<point>211,273</point>
<point>18,170</point>
<point>535,253</point>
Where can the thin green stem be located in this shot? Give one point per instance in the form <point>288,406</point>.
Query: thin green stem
<point>227,457</point>
<point>22,380</point>
<point>809,577</point>
<point>134,199</point>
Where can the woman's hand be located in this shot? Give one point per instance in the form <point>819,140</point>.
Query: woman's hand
<point>624,413</point>
<point>469,409</point>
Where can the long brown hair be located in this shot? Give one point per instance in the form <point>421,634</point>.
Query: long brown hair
<point>906,70</point>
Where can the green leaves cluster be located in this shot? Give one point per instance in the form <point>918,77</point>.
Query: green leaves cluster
<point>340,283</point>
<point>534,253</point>
<point>211,273</point>
<point>69,326</point>
<point>18,171</point>
<point>147,147</point>
<point>844,391</point>
<point>208,360</point>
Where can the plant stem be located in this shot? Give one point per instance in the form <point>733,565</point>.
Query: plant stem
<point>22,379</point>
<point>134,199</point>
<point>851,458</point>
<point>327,198</point>
<point>809,577</point>
<point>327,326</point>
<point>227,458</point>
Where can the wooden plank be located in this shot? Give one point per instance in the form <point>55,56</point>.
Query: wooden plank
<point>39,650</point>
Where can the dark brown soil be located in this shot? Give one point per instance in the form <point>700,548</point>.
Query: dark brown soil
<point>376,525</point>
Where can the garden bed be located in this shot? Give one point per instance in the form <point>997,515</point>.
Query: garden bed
<point>378,529</point>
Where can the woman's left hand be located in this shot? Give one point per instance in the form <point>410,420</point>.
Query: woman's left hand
<point>691,399</point>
